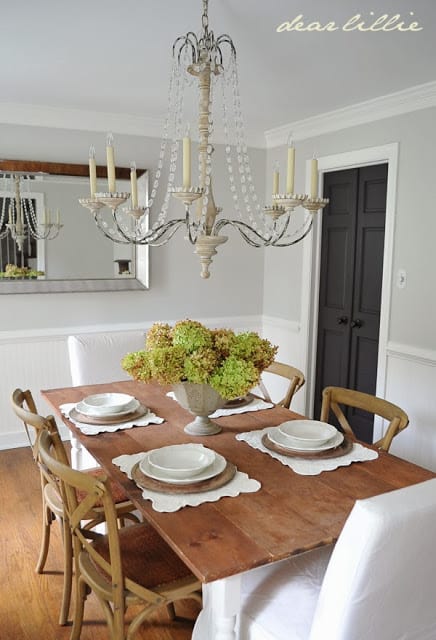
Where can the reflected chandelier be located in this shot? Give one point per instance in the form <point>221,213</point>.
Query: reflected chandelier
<point>19,217</point>
<point>209,62</point>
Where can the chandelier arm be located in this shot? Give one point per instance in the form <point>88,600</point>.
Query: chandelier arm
<point>241,226</point>
<point>98,222</point>
<point>182,42</point>
<point>297,239</point>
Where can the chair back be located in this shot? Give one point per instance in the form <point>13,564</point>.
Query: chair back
<point>94,492</point>
<point>295,377</point>
<point>24,408</point>
<point>381,579</point>
<point>96,357</point>
<point>332,397</point>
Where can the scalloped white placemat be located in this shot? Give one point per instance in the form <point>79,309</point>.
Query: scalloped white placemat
<point>164,502</point>
<point>94,429</point>
<point>304,467</point>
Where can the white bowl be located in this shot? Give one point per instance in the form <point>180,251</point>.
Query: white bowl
<point>308,432</point>
<point>102,404</point>
<point>181,460</point>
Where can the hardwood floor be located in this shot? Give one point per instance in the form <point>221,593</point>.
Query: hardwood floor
<point>29,602</point>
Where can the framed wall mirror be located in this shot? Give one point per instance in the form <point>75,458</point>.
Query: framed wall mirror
<point>76,256</point>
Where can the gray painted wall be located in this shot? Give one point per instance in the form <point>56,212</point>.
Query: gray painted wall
<point>413,311</point>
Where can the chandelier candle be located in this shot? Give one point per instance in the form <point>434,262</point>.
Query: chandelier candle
<point>276,179</point>
<point>133,186</point>
<point>291,170</point>
<point>92,172</point>
<point>110,159</point>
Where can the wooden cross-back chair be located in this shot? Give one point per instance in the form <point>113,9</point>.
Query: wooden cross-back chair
<point>24,407</point>
<point>333,397</point>
<point>295,377</point>
<point>128,566</point>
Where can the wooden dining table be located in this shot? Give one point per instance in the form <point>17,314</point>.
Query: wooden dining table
<point>221,540</point>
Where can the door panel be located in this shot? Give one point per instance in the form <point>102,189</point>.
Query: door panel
<point>350,285</point>
<point>336,281</point>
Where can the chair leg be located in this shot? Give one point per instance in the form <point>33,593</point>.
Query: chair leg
<point>45,542</point>
<point>78,609</point>
<point>68,573</point>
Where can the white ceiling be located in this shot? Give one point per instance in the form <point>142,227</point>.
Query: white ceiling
<point>114,57</point>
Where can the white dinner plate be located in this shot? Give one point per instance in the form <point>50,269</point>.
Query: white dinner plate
<point>215,468</point>
<point>307,433</point>
<point>107,403</point>
<point>276,436</point>
<point>86,411</point>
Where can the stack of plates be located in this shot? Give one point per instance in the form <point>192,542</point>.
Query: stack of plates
<point>306,436</point>
<point>182,464</point>
<point>108,405</point>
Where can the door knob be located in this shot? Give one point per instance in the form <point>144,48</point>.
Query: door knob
<point>342,320</point>
<point>356,323</point>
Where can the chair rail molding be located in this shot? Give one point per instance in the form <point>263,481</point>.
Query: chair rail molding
<point>409,352</point>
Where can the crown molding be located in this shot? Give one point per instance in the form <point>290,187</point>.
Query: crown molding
<point>415,98</point>
<point>86,120</point>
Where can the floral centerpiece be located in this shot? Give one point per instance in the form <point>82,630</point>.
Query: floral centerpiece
<point>191,354</point>
<point>14,271</point>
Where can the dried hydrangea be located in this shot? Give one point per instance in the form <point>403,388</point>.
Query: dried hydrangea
<point>223,340</point>
<point>137,365</point>
<point>159,335</point>
<point>249,346</point>
<point>191,335</point>
<point>191,352</point>
<point>199,365</point>
<point>167,364</point>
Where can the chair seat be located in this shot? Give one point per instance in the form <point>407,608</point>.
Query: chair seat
<point>279,600</point>
<point>146,557</point>
<point>117,492</point>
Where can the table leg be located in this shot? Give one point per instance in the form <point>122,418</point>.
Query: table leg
<point>80,457</point>
<point>221,603</point>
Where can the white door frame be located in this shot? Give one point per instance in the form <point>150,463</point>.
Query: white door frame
<point>311,264</point>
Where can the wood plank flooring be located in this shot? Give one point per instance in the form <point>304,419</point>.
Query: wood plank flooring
<point>29,603</point>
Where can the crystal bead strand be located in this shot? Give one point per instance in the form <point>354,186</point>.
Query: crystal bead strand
<point>241,142</point>
<point>228,149</point>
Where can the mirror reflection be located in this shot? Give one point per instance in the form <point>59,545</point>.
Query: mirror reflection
<point>50,237</point>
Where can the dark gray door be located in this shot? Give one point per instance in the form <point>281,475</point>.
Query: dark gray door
<point>350,285</point>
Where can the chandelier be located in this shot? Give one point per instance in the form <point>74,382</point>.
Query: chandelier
<point>210,63</point>
<point>18,215</point>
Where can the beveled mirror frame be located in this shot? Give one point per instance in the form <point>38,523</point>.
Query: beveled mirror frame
<point>141,281</point>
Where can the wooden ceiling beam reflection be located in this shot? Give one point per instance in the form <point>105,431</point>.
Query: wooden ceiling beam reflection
<point>62,169</point>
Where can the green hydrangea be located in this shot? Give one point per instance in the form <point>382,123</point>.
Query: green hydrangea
<point>234,378</point>
<point>199,365</point>
<point>191,335</point>
<point>249,346</point>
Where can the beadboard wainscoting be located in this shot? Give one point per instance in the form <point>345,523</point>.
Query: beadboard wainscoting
<point>287,335</point>
<point>411,383</point>
<point>39,360</point>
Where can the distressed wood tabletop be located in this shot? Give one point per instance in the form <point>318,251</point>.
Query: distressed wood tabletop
<point>291,513</point>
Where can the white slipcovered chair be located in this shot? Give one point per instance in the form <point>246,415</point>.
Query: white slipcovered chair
<point>96,358</point>
<point>378,581</point>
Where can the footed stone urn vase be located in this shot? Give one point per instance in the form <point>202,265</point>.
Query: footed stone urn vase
<point>201,400</point>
